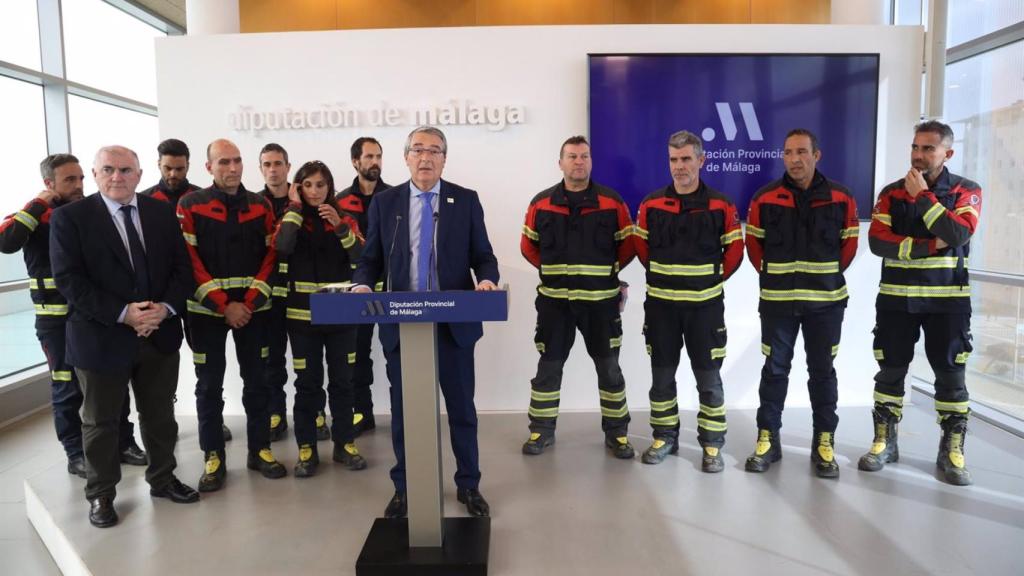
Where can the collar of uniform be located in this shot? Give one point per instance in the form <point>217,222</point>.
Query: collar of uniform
<point>560,197</point>
<point>698,196</point>
<point>818,190</point>
<point>162,185</point>
<point>241,196</point>
<point>942,184</point>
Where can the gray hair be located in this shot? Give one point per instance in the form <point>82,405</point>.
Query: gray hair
<point>114,149</point>
<point>427,130</point>
<point>685,138</point>
<point>48,167</point>
<point>936,127</point>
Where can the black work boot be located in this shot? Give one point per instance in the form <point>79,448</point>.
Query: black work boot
<point>214,472</point>
<point>659,450</point>
<point>278,426</point>
<point>619,446</point>
<point>823,456</point>
<point>309,461</point>
<point>323,431</point>
<point>766,451</point>
<point>711,460</point>
<point>537,442</point>
<point>884,448</point>
<point>951,452</point>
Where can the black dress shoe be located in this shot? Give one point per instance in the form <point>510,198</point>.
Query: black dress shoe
<point>226,432</point>
<point>474,501</point>
<point>102,513</point>
<point>176,492</point>
<point>398,507</point>
<point>134,455</point>
<point>76,466</point>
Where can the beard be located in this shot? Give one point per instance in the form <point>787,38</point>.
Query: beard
<point>372,173</point>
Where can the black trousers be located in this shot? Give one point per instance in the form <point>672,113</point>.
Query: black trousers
<point>209,335</point>
<point>947,344</point>
<point>276,373</point>
<point>66,395</point>
<point>601,326</point>
<point>668,327</point>
<point>310,345</point>
<point>154,377</point>
<point>362,373</point>
<point>822,330</point>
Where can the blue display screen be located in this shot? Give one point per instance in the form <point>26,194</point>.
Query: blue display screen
<point>742,106</point>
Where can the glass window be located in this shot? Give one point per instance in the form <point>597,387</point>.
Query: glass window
<point>108,49</point>
<point>969,19</point>
<point>908,13</point>
<point>19,34</point>
<point>21,115</point>
<point>95,124</point>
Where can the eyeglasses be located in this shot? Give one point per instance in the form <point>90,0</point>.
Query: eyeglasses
<point>428,152</point>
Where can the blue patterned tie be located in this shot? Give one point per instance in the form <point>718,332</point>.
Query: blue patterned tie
<point>424,263</point>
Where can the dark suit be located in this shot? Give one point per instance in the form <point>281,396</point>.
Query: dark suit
<point>93,271</point>
<point>462,249</point>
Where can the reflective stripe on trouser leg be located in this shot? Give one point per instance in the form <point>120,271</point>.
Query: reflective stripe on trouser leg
<point>544,396</point>
<point>664,404</point>
<point>664,338</point>
<point>208,340</point>
<point>612,390</point>
<point>822,333</point>
<point>307,361</point>
<point>778,335</point>
<point>711,424</point>
<point>951,398</point>
<point>339,348</point>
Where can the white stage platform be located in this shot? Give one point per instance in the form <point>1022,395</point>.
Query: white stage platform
<point>575,510</point>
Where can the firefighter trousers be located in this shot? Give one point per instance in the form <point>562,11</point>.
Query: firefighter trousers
<point>310,345</point>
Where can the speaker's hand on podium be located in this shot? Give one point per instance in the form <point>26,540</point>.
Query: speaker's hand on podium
<point>361,289</point>
<point>486,285</point>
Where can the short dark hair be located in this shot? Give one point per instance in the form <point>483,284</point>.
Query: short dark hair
<point>357,146</point>
<point>572,141</point>
<point>312,168</point>
<point>49,165</point>
<point>172,147</point>
<point>275,147</point>
<point>804,132</point>
<point>936,127</point>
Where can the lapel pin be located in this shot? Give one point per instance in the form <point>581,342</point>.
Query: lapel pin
<point>451,200</point>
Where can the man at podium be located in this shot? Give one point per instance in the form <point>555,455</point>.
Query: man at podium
<point>428,234</point>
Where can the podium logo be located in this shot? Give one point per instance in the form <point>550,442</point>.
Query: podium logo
<point>374,308</point>
<point>728,121</point>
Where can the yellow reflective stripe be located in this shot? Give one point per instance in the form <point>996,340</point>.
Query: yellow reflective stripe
<point>755,231</point>
<point>299,363</point>
<point>530,233</point>
<point>48,284</point>
<point>641,232</point>
<point>309,287</point>
<point>648,347</point>
<point>925,291</point>
<point>665,420</point>
<point>575,269</point>
<point>888,399</point>
<point>712,425</point>
<point>665,405</point>
<point>713,410</point>
<point>615,412</point>
<point>883,218</point>
<point>717,353</point>
<point>265,352</point>
<point>766,349</point>
<point>60,375</point>
<point>804,295</point>
<point>924,263</point>
<point>961,358</point>
<point>27,219</point>
<point>190,238</point>
<point>268,239</point>
<point>543,412</point>
<point>682,269</point>
<point>351,357</point>
<point>197,308</point>
<point>835,350</point>
<point>280,291</point>
<point>205,288</point>
<point>198,358</point>
<point>292,217</point>
<point>851,232</point>
<point>933,214</point>
<point>879,354</point>
<point>298,314</point>
<point>263,287</point>
<point>906,245</point>
<point>685,295</point>
<point>967,210</point>
<point>51,309</point>
<point>732,237</point>
<point>802,266</point>
<point>624,232</point>
<point>540,347</point>
<point>590,295</point>
<point>378,286</point>
<point>959,407</point>
<point>615,342</point>
<point>282,267</point>
<point>612,396</point>
<point>348,240</point>
<point>544,396</point>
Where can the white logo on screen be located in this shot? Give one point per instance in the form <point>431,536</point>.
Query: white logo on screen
<point>728,121</point>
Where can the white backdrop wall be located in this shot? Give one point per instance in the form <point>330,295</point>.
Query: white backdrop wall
<point>203,80</point>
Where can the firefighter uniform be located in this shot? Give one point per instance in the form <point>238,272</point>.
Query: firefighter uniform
<point>319,254</point>
<point>229,241</point>
<point>800,242</point>
<point>277,332</point>
<point>353,201</point>
<point>578,241</point>
<point>923,287</point>
<point>28,230</point>
<point>161,191</point>
<point>689,244</point>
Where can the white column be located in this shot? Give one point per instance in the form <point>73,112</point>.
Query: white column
<point>205,17</point>
<point>860,12</point>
